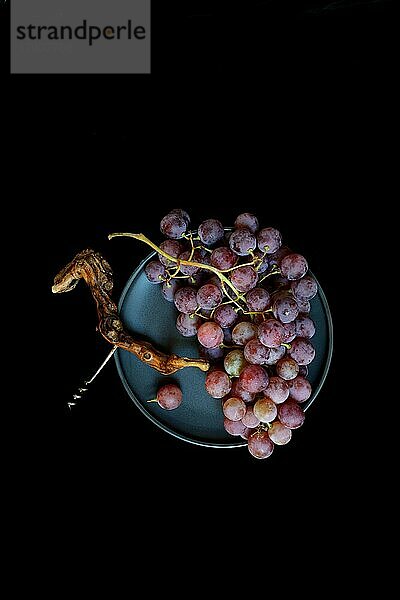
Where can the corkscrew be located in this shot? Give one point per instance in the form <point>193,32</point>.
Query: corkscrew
<point>83,390</point>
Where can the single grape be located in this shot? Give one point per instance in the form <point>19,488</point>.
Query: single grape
<point>258,300</point>
<point>287,368</point>
<point>274,355</point>
<point>169,397</point>
<point>209,296</point>
<point>279,434</point>
<point>173,226</point>
<point>250,419</point>
<point>218,384</point>
<point>302,351</point>
<point>169,289</point>
<point>155,272</point>
<point>290,332</point>
<point>271,333</point>
<point>304,306</point>
<point>269,240</point>
<point>244,278</point>
<point>256,353</point>
<point>254,379</point>
<point>226,316</point>
<point>212,355</point>
<point>234,363</point>
<point>188,325</point>
<point>300,389</point>
<point>265,410</point>
<point>260,445</point>
<point>215,280</point>
<point>189,270</point>
<point>210,334</point>
<point>235,428</point>
<point>242,242</point>
<point>291,415</point>
<point>264,265</point>
<point>239,392</point>
<point>173,248</point>
<point>186,300</point>
<point>211,232</point>
<point>227,336</point>
<point>244,332</point>
<point>181,213</point>
<point>305,327</point>
<point>248,221</point>
<point>294,267</point>
<point>234,409</point>
<point>278,390</point>
<point>305,289</point>
<point>286,309</point>
<point>247,433</point>
<point>277,257</point>
<point>223,259</point>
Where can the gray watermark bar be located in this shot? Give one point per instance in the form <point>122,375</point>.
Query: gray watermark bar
<point>80,36</point>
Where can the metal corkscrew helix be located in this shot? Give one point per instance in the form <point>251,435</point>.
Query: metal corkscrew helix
<point>84,390</point>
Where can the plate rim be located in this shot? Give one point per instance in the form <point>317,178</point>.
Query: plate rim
<point>182,437</point>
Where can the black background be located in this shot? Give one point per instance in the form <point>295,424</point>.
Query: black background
<point>273,107</point>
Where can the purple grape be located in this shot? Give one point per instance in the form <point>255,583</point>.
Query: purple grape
<point>305,289</point>
<point>287,368</point>
<point>302,351</point>
<point>181,213</point>
<point>186,300</point>
<point>173,248</point>
<point>275,354</point>
<point>223,259</point>
<point>290,332</point>
<point>234,363</point>
<point>155,272</point>
<point>235,428</point>
<point>286,309</point>
<point>188,325</point>
<point>227,335</point>
<point>173,226</point>
<point>248,221</point>
<point>244,278</point>
<point>234,409</point>
<point>188,270</point>
<point>250,420</point>
<point>269,240</point>
<point>260,445</point>
<point>239,392</point>
<point>258,300</point>
<point>212,355</point>
<point>303,371</point>
<point>277,257</point>
<point>226,316</point>
<point>304,306</point>
<point>169,397</point>
<point>169,289</point>
<point>244,332</point>
<point>294,267</point>
<point>279,434</point>
<point>254,379</point>
<point>291,415</point>
<point>256,353</point>
<point>271,333</point>
<point>210,335</point>
<point>218,384</point>
<point>278,390</point>
<point>265,410</point>
<point>305,327</point>
<point>215,280</point>
<point>211,232</point>
<point>242,242</point>
<point>300,389</point>
<point>247,433</point>
<point>209,296</point>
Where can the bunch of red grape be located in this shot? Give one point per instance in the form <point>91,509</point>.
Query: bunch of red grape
<point>247,299</point>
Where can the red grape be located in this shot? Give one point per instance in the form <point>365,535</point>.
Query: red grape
<point>279,434</point>
<point>223,259</point>
<point>265,410</point>
<point>250,419</point>
<point>271,333</point>
<point>173,248</point>
<point>294,267</point>
<point>244,278</point>
<point>234,409</point>
<point>277,257</point>
<point>209,296</point>
<point>239,392</point>
<point>302,351</point>
<point>274,355</point>
<point>269,240</point>
<point>169,289</point>
<point>234,363</point>
<point>225,315</point>
<point>242,242</point>
<point>290,332</point>
<point>300,389</point>
<point>287,368</point>
<point>305,327</point>
<point>247,220</point>
<point>235,428</point>
<point>169,397</point>
<point>256,353</point>
<point>211,232</point>
<point>278,390</point>
<point>181,213</point>
<point>186,300</point>
<point>305,289</point>
<point>210,334</point>
<point>188,325</point>
<point>189,270</point>
<point>173,226</point>
<point>218,384</point>
<point>258,300</point>
<point>291,415</point>
<point>254,379</point>
<point>155,272</point>
<point>260,445</point>
<point>244,332</point>
<point>286,309</point>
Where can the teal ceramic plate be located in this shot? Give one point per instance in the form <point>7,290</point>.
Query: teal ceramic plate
<point>199,420</point>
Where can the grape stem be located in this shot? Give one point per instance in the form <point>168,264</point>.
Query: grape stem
<point>187,263</point>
